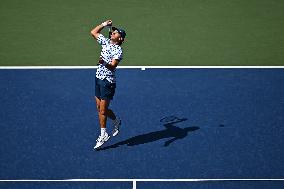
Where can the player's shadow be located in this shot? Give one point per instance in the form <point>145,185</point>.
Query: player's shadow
<point>173,132</point>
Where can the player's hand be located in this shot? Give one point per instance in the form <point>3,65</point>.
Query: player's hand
<point>101,61</point>
<point>107,23</point>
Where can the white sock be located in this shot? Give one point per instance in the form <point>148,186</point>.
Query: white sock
<point>103,131</point>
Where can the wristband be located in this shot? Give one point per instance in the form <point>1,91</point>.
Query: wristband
<point>104,24</point>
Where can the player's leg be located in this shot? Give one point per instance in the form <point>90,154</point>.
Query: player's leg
<point>102,119</point>
<point>109,91</point>
<point>98,104</point>
<point>105,110</point>
<point>105,113</point>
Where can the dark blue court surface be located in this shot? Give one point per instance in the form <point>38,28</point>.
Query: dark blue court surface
<point>177,123</point>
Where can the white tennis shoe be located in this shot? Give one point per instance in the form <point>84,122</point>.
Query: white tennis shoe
<point>101,140</point>
<point>116,124</point>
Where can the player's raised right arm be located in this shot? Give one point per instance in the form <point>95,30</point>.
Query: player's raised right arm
<point>96,31</point>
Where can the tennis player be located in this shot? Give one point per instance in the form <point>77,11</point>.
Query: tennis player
<point>111,55</point>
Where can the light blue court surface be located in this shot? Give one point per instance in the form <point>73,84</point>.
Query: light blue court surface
<point>177,124</point>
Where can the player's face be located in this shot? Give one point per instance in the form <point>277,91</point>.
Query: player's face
<point>115,35</point>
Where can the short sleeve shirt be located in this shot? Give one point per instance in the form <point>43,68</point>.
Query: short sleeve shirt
<point>109,52</point>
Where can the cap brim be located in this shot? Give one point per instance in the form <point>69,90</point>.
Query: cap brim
<point>119,31</point>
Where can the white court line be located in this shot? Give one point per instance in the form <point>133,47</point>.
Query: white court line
<point>172,180</point>
<point>138,180</point>
<point>140,67</point>
<point>134,181</point>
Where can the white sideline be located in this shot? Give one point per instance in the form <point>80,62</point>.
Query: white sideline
<point>137,180</point>
<point>134,181</point>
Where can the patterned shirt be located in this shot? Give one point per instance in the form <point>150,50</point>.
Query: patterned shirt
<point>109,52</point>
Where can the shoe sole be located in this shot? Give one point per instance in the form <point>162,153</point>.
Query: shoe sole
<point>115,134</point>
<point>102,143</point>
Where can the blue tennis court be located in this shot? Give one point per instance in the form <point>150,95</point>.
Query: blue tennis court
<point>177,124</point>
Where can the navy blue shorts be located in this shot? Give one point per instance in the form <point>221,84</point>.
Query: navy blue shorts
<point>104,89</point>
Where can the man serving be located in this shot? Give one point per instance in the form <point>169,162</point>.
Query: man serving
<point>111,55</point>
